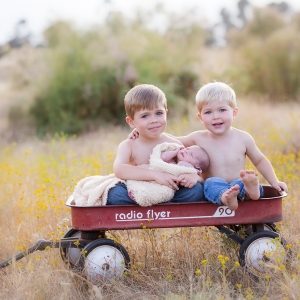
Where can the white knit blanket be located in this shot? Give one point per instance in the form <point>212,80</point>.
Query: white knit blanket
<point>93,190</point>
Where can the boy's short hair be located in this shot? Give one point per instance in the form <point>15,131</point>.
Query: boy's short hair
<point>143,96</point>
<point>215,91</point>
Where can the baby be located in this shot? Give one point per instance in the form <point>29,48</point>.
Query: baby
<point>194,157</point>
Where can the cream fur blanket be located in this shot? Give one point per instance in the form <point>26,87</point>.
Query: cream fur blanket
<point>93,190</point>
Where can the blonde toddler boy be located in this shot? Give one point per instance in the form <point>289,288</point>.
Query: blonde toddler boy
<point>226,180</point>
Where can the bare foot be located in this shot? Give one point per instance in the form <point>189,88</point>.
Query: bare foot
<point>229,198</point>
<point>250,180</point>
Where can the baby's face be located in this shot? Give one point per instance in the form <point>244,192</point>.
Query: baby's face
<point>191,155</point>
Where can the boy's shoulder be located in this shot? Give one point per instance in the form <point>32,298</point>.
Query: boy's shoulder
<point>240,132</point>
<point>128,143</point>
<point>169,139</point>
<point>243,136</point>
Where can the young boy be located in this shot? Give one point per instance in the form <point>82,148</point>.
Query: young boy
<point>146,109</point>
<point>193,157</point>
<point>226,181</point>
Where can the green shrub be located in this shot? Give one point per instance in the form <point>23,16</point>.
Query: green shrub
<point>90,72</point>
<point>80,92</point>
<point>266,61</point>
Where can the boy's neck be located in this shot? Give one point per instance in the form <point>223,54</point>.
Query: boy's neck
<point>225,134</point>
<point>147,140</point>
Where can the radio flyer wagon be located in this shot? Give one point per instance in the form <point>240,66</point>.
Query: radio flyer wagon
<point>86,248</point>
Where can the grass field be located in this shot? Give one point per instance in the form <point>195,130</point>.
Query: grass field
<point>36,177</point>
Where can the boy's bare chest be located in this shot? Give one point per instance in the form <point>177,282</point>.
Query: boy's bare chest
<point>141,155</point>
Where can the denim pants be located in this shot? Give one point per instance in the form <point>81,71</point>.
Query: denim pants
<point>214,188</point>
<point>118,195</point>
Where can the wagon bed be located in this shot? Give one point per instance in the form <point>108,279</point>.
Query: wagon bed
<point>265,210</point>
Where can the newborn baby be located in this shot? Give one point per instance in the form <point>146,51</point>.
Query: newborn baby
<point>194,157</point>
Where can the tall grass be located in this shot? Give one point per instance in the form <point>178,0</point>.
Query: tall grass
<point>183,263</point>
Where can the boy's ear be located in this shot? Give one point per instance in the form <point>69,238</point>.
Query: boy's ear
<point>130,122</point>
<point>199,117</point>
<point>235,111</point>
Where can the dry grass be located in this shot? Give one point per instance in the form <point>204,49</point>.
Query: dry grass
<point>183,263</point>
<point>37,176</point>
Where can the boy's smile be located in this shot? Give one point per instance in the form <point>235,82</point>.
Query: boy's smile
<point>217,116</point>
<point>150,123</point>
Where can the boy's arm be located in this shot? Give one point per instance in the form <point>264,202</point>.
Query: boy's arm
<point>263,165</point>
<point>124,170</point>
<point>187,140</point>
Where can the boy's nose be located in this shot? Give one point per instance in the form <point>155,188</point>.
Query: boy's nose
<point>215,115</point>
<point>153,119</point>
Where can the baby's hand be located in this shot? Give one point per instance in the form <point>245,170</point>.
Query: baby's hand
<point>133,135</point>
<point>188,180</point>
<point>178,149</point>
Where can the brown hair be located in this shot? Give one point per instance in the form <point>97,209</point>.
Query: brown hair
<point>143,96</point>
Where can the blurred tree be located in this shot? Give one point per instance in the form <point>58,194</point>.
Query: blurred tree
<point>267,56</point>
<point>90,71</point>
<point>242,6</point>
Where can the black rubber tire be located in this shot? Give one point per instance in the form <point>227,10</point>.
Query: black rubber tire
<point>106,264</point>
<point>64,252</point>
<point>255,243</point>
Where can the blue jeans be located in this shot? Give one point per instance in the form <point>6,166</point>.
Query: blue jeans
<point>214,188</point>
<point>118,195</point>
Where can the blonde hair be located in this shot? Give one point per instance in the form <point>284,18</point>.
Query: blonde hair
<point>215,91</point>
<point>143,96</point>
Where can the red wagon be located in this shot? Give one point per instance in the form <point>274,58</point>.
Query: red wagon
<point>86,248</point>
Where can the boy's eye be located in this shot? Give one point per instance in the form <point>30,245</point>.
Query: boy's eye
<point>159,113</point>
<point>222,109</point>
<point>144,116</point>
<point>207,112</point>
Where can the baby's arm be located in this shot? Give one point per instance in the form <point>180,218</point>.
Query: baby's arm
<point>169,156</point>
<point>126,171</point>
<point>263,165</point>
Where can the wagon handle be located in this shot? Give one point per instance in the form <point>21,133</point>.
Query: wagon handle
<point>40,245</point>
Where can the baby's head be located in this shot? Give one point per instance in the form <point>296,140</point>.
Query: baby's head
<point>143,96</point>
<point>196,156</point>
<point>215,91</point>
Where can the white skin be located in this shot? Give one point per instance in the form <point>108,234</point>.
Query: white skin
<point>150,123</point>
<point>228,148</point>
<point>188,157</point>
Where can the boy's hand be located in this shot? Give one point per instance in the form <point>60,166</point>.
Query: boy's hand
<point>188,180</point>
<point>167,179</point>
<point>134,134</point>
<point>280,186</point>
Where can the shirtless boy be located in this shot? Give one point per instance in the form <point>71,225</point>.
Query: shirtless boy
<point>226,179</point>
<point>146,109</point>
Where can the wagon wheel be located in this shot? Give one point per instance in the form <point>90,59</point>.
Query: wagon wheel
<point>103,259</point>
<point>261,251</point>
<point>71,255</point>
